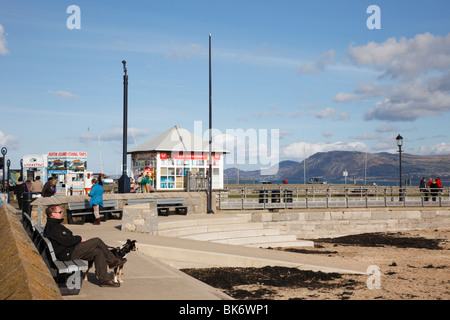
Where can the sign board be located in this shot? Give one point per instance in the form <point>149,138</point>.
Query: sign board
<point>3,198</point>
<point>33,161</point>
<point>67,160</point>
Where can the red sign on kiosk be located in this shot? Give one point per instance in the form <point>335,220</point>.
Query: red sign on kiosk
<point>188,156</point>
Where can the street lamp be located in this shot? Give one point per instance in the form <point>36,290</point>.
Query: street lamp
<point>399,144</point>
<point>4,152</point>
<point>124,181</point>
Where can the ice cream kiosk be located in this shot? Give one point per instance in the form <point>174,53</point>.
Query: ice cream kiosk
<point>69,170</point>
<point>35,165</point>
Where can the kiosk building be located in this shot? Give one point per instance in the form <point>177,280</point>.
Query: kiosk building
<point>174,154</point>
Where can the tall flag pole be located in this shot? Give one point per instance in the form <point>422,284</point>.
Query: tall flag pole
<point>210,210</point>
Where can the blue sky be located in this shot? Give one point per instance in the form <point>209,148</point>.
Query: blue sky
<point>312,71</point>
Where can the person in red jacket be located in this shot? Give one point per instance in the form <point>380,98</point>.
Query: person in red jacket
<point>438,181</point>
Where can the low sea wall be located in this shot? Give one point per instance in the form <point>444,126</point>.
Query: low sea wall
<point>314,223</point>
<point>195,201</point>
<point>23,273</point>
<point>140,218</point>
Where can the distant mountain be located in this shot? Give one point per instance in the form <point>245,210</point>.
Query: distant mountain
<point>375,166</point>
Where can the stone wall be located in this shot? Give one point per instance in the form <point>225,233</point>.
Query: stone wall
<point>23,273</point>
<point>314,223</point>
<point>141,218</point>
<point>196,201</point>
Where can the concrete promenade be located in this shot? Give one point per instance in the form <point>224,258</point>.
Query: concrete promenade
<point>149,278</point>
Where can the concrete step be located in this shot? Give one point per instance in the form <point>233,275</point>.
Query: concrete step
<point>233,230</point>
<point>183,231</point>
<point>296,243</point>
<point>258,240</point>
<point>232,234</point>
<point>180,223</point>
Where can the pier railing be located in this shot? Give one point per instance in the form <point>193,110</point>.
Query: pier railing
<point>332,196</point>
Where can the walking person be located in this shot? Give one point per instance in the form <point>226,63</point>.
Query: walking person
<point>146,181</point>
<point>49,188</point>
<point>438,181</point>
<point>37,185</point>
<point>434,189</point>
<point>96,200</point>
<point>87,184</point>
<point>28,184</point>
<point>423,188</point>
<point>19,189</point>
<point>68,246</point>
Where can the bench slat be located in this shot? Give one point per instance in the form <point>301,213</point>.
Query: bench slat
<point>81,265</point>
<point>170,201</point>
<point>62,267</point>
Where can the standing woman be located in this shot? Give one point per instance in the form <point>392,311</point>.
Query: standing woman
<point>96,200</point>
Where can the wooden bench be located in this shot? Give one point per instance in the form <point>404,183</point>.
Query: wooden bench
<point>165,204</point>
<point>81,209</point>
<point>67,274</point>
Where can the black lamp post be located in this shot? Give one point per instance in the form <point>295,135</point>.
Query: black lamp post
<point>124,181</point>
<point>4,152</point>
<point>399,144</point>
<point>210,210</point>
<point>8,164</point>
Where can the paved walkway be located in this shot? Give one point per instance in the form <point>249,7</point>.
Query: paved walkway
<point>149,278</point>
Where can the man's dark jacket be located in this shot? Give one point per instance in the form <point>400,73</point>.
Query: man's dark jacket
<point>62,239</point>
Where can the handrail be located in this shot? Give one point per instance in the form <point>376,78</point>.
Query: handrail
<point>330,196</point>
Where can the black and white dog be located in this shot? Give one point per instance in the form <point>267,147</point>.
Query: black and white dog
<point>119,252</point>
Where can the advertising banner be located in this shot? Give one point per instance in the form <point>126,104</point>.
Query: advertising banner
<point>67,160</point>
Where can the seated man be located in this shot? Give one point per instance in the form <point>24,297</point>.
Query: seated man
<point>70,247</point>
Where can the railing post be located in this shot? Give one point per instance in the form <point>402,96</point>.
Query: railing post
<point>366,196</point>
<point>328,195</point>
<point>306,198</point>
<point>346,196</point>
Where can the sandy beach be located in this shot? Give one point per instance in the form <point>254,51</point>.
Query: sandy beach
<point>413,265</point>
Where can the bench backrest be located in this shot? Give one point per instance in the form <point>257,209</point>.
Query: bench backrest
<point>78,205</point>
<point>110,203</point>
<point>85,204</point>
<point>138,201</point>
<point>28,224</point>
<point>170,201</point>
<point>45,249</point>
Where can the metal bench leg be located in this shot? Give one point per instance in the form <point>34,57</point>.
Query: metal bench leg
<point>182,211</point>
<point>163,212</point>
<point>70,219</point>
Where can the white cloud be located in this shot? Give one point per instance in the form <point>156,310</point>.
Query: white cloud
<point>300,150</point>
<point>345,97</point>
<point>330,113</point>
<point>405,57</point>
<point>410,101</point>
<point>421,67</point>
<point>441,148</point>
<point>11,142</point>
<point>3,50</point>
<point>319,65</point>
<point>63,94</point>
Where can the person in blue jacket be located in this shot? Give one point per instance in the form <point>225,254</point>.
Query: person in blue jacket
<point>96,200</point>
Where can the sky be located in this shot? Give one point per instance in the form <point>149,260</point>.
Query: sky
<point>289,77</point>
